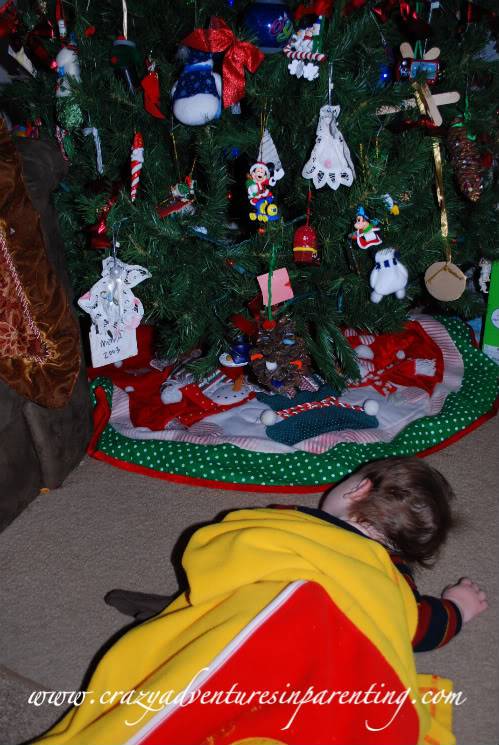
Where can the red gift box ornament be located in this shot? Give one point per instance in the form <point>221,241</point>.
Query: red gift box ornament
<point>239,55</point>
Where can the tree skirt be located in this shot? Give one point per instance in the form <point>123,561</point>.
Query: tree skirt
<point>465,399</point>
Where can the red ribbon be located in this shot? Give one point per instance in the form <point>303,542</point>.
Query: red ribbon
<point>315,8</point>
<point>238,56</point>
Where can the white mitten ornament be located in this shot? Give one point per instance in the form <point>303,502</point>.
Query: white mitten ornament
<point>330,161</point>
<point>197,93</point>
<point>389,275</point>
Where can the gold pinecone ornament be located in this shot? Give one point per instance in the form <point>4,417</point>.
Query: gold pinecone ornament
<point>465,159</point>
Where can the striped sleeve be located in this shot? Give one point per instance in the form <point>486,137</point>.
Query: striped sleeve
<point>439,620</point>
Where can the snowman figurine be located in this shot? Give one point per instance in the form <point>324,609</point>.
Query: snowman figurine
<point>196,95</point>
<point>389,275</point>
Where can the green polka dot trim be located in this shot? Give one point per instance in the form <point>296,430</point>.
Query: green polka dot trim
<point>232,465</point>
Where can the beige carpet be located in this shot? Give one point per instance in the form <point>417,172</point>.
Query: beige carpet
<point>107,528</point>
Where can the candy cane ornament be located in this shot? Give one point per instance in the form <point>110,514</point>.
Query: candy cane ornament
<point>136,162</point>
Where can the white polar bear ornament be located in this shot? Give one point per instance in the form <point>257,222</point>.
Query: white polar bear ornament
<point>389,275</point>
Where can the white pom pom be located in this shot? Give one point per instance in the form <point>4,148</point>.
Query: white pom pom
<point>363,352</point>
<point>371,407</point>
<point>118,364</point>
<point>171,394</point>
<point>400,355</point>
<point>129,389</point>
<point>271,366</point>
<point>269,417</point>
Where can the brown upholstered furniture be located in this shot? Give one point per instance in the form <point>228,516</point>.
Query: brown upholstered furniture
<point>40,446</point>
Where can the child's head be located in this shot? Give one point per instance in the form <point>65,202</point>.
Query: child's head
<point>404,500</point>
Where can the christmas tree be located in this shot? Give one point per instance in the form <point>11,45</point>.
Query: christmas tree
<point>388,171</point>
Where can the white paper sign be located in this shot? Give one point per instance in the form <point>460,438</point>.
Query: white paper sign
<point>105,349</point>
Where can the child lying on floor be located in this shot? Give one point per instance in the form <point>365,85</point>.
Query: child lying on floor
<point>404,504</point>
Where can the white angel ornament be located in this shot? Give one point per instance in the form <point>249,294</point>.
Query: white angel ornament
<point>330,162</point>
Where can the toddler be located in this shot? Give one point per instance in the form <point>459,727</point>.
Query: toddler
<point>404,504</point>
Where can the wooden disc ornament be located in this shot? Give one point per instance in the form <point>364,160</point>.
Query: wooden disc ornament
<point>445,281</point>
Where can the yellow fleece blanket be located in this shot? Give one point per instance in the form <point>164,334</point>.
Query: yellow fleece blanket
<point>235,568</point>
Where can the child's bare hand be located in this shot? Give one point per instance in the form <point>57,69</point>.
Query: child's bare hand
<point>468,597</point>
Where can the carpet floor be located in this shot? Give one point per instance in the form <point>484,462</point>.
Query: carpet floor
<point>106,528</point>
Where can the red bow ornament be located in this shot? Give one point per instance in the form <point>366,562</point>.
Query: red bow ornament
<point>239,55</point>
<point>315,8</point>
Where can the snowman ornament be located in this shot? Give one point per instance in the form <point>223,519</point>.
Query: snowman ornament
<point>389,276</point>
<point>196,96</point>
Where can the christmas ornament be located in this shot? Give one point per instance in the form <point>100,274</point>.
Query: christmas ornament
<point>305,49</point>
<point>69,114</point>
<point>238,56</point>
<point>9,19</point>
<point>409,358</point>
<point>366,230</point>
<point>427,103</point>
<point>305,245</point>
<point>181,201</point>
<point>34,42</point>
<point>491,327</point>
<point>410,23</point>
<point>269,22</point>
<point>311,414</point>
<point>136,163</point>
<point>275,286</point>
<point>279,359</point>
<point>126,62</point>
<point>390,204</point>
<point>260,195</point>
<point>389,275</point>
<point>115,311</point>
<point>60,19</point>
<point>30,129</point>
<point>465,159</point>
<point>305,241</point>
<point>238,356</point>
<point>99,237</point>
<point>445,281</point>
<point>150,87</point>
<point>98,149</point>
<point>197,93</point>
<point>267,153</point>
<point>485,272</point>
<point>329,163</point>
<point>410,68</point>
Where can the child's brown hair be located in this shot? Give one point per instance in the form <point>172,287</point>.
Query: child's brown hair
<point>409,503</point>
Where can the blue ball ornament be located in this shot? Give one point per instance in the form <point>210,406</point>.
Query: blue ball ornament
<point>270,23</point>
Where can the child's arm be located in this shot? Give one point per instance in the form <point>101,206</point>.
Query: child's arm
<point>468,597</point>
<point>439,619</point>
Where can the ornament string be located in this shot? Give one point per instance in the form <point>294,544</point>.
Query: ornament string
<point>273,261</point>
<point>439,180</point>
<point>125,19</point>
<point>175,153</point>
